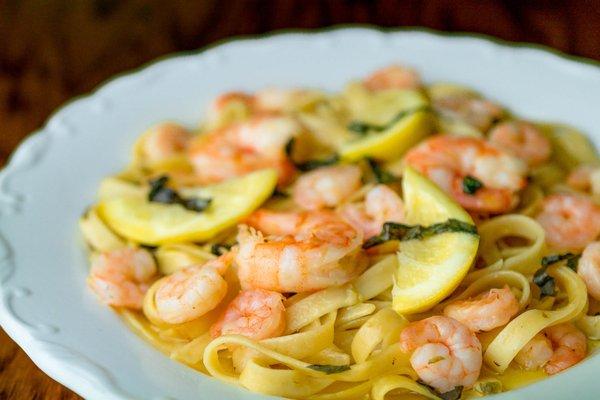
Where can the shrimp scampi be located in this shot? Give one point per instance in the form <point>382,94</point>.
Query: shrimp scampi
<point>305,251</point>
<point>492,309</point>
<point>445,353</point>
<point>193,291</point>
<point>257,314</point>
<point>244,147</point>
<point>449,160</point>
<point>326,187</point>
<point>122,277</point>
<point>570,221</point>
<point>588,269</point>
<point>381,205</point>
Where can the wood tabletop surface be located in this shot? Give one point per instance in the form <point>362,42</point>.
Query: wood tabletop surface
<point>51,51</point>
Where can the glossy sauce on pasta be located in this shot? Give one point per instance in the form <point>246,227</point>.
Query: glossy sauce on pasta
<point>396,237</point>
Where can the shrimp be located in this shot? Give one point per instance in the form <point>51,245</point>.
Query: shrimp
<point>448,160</point>
<point>193,291</point>
<point>492,309</point>
<point>523,140</point>
<point>165,141</point>
<point>381,205</point>
<point>393,77</point>
<point>244,147</point>
<point>257,314</point>
<point>445,353</point>
<point>569,345</point>
<point>122,277</point>
<point>536,353</point>
<point>276,100</point>
<point>311,250</point>
<point>477,112</point>
<point>581,177</point>
<point>326,186</point>
<point>588,269</point>
<point>570,221</point>
<point>217,109</point>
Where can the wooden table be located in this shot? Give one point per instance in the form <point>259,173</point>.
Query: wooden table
<point>52,51</point>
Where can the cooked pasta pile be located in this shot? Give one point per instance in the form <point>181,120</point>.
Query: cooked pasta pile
<point>393,240</point>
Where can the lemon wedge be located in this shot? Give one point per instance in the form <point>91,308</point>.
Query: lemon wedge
<point>431,268</point>
<point>155,223</point>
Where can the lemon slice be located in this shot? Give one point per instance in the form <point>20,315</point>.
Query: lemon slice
<point>391,143</point>
<point>155,223</point>
<point>431,268</point>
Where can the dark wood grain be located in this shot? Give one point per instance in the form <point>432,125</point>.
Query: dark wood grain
<point>51,51</point>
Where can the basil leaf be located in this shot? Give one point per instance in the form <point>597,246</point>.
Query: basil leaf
<point>280,193</point>
<point>314,164</point>
<point>545,282</point>
<point>490,386</point>
<point>573,261</point>
<point>311,164</point>
<point>363,128</point>
<point>329,369</point>
<point>554,258</point>
<point>402,232</point>
<point>218,249</point>
<point>453,394</point>
<point>470,184</point>
<point>160,193</point>
<point>381,175</point>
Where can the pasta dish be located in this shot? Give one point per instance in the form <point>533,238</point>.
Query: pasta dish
<point>394,240</point>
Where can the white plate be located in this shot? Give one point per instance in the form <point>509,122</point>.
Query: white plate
<point>52,177</point>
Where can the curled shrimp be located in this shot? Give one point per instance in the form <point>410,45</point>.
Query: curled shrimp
<point>244,147</point>
<point>257,314</point>
<point>217,107</point>
<point>165,141</point>
<point>581,177</point>
<point>588,269</point>
<point>282,99</point>
<point>492,309</point>
<point>393,77</point>
<point>570,221</point>
<point>381,204</point>
<point>326,186</point>
<point>569,346</point>
<point>448,160</point>
<point>522,139</point>
<point>193,291</point>
<point>445,353</point>
<point>536,353</point>
<point>475,111</point>
<point>122,277</point>
<point>308,251</point>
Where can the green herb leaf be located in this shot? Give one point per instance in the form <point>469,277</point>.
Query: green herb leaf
<point>470,184</point>
<point>280,193</point>
<point>289,147</point>
<point>329,369</point>
<point>402,232</point>
<point>489,386</point>
<point>218,249</point>
<point>314,164</point>
<point>363,128</point>
<point>453,394</point>
<point>160,193</point>
<point>545,282</point>
<point>554,258</point>
<point>572,262</point>
<point>311,164</point>
<point>381,175</point>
